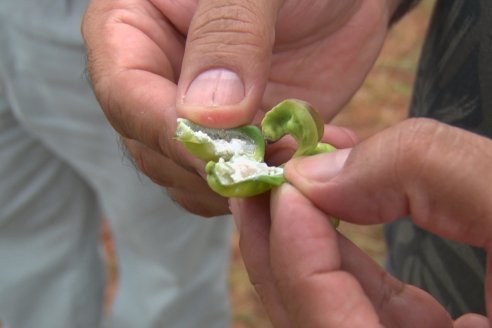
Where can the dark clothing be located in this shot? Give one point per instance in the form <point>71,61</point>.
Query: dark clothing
<point>454,86</point>
<point>454,80</point>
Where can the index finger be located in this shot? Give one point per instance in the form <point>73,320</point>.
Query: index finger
<point>253,223</point>
<point>326,281</point>
<point>306,263</point>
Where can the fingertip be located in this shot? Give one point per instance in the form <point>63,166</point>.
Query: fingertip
<point>472,320</point>
<point>340,137</point>
<point>305,171</point>
<point>299,231</point>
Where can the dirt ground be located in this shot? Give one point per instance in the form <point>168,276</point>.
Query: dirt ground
<point>382,102</point>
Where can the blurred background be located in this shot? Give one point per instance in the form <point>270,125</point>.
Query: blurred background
<point>382,101</point>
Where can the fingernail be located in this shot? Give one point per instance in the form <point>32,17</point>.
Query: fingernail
<point>215,87</point>
<point>322,167</point>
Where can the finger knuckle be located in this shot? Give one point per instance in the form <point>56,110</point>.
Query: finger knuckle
<point>390,290</point>
<point>234,24</point>
<point>142,160</point>
<point>416,142</point>
<point>418,130</point>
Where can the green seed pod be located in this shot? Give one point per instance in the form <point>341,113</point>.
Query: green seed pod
<point>235,165</point>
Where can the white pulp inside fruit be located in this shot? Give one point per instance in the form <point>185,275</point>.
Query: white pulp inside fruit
<point>241,168</point>
<point>234,147</point>
<point>223,148</point>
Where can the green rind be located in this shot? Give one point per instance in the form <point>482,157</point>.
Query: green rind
<point>256,136</point>
<point>296,118</point>
<point>320,149</point>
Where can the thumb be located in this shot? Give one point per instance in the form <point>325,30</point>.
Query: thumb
<point>437,174</point>
<point>227,61</point>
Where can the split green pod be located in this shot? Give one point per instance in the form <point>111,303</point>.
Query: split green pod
<point>235,157</point>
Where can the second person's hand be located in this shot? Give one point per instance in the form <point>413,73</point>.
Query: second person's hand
<point>309,275</point>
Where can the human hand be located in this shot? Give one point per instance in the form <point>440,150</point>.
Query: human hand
<point>309,275</point>
<point>144,55</point>
<point>438,174</point>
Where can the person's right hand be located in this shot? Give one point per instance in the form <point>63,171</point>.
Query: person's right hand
<point>220,63</point>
